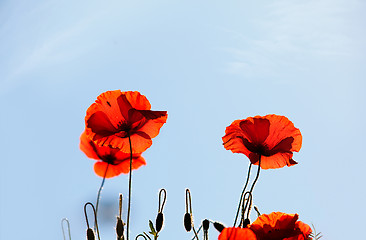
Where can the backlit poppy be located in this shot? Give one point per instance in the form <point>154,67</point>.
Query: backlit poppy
<point>236,233</point>
<point>278,226</point>
<point>117,161</point>
<point>272,137</point>
<point>115,115</point>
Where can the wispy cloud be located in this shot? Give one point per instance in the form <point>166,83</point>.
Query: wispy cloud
<point>58,45</point>
<point>291,32</point>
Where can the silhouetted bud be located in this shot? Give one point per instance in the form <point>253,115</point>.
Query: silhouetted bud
<point>119,227</point>
<point>205,224</point>
<point>159,221</point>
<point>246,222</point>
<point>219,227</point>
<point>90,234</point>
<point>188,222</point>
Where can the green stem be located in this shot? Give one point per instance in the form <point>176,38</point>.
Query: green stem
<point>129,188</point>
<point>256,177</point>
<point>195,233</point>
<point>242,194</point>
<point>100,190</point>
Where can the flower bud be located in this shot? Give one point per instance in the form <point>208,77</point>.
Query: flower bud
<point>159,221</point>
<point>90,234</point>
<point>246,222</point>
<point>119,227</point>
<point>205,225</point>
<point>219,227</point>
<point>188,222</point>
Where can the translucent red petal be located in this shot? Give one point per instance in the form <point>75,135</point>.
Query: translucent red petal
<point>272,136</point>
<point>237,234</point>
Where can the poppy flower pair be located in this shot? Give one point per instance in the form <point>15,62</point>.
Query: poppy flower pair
<point>271,138</point>
<point>118,124</point>
<point>273,226</point>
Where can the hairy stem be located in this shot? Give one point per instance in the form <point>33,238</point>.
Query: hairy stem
<point>242,194</point>
<point>129,188</point>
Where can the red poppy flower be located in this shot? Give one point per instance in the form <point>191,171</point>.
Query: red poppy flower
<point>278,226</point>
<point>117,161</point>
<point>272,137</point>
<point>236,233</point>
<point>115,115</point>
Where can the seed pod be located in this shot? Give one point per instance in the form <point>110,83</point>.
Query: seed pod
<point>188,222</point>
<point>90,234</point>
<point>119,227</point>
<point>246,222</point>
<point>159,221</point>
<point>205,225</point>
<point>219,227</point>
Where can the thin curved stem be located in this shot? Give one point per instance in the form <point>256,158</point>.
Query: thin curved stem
<point>100,190</point>
<point>198,231</point>
<point>256,177</point>
<point>195,233</point>
<point>129,188</point>
<point>68,228</point>
<point>242,194</point>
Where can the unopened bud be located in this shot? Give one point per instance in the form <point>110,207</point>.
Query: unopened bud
<point>219,227</point>
<point>119,227</point>
<point>246,222</point>
<point>90,234</point>
<point>188,222</point>
<point>159,221</point>
<point>205,225</point>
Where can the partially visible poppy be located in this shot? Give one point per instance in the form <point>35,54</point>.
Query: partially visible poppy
<point>236,233</point>
<point>117,161</point>
<point>272,137</point>
<point>115,115</point>
<point>278,226</point>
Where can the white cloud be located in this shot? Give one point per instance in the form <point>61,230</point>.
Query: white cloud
<point>291,32</point>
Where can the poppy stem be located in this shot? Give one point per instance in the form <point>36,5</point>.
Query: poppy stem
<point>248,205</point>
<point>256,177</point>
<point>195,233</point>
<point>100,190</point>
<point>129,187</point>
<point>242,194</point>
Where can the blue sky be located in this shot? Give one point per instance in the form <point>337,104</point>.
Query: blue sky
<point>207,63</point>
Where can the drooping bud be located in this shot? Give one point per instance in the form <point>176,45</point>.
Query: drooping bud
<point>205,225</point>
<point>246,222</point>
<point>119,228</point>
<point>219,227</point>
<point>159,221</point>
<point>90,234</point>
<point>188,222</point>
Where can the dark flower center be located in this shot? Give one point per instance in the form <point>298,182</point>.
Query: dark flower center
<point>109,159</point>
<point>259,148</point>
<point>124,129</point>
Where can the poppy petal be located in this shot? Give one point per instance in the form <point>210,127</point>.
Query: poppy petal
<point>284,146</point>
<point>278,160</point>
<point>87,148</point>
<point>115,170</point>
<point>107,103</point>
<point>152,127</point>
<point>273,137</point>
<point>234,233</point>
<point>124,106</point>
<point>100,124</point>
<point>116,114</point>
<point>137,100</point>
<point>233,139</point>
<point>140,142</point>
<point>304,231</point>
<point>281,128</point>
<point>279,225</point>
<point>255,129</point>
